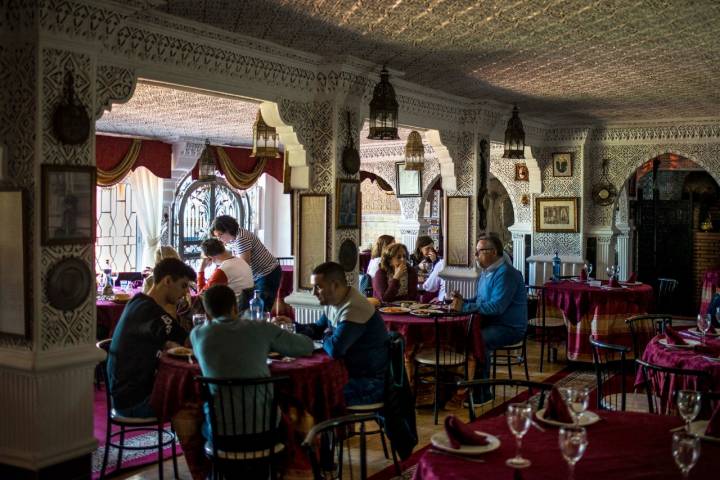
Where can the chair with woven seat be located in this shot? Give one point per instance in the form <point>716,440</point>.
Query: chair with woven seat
<point>546,325</point>
<point>644,327</point>
<point>442,359</point>
<point>129,425</point>
<point>245,431</point>
<point>661,383</point>
<point>614,377</point>
<point>533,388</point>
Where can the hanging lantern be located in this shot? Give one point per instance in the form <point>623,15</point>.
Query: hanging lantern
<point>265,139</point>
<point>383,110</point>
<point>207,166</point>
<point>514,136</point>
<point>414,152</point>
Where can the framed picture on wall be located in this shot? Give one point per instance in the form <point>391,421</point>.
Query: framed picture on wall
<point>15,318</point>
<point>457,231</point>
<point>521,173</point>
<point>409,182</point>
<point>68,207</point>
<point>312,236</point>
<point>348,203</point>
<point>558,215</point>
<point>562,164</point>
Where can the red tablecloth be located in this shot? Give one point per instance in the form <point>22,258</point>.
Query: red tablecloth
<point>286,281</point>
<point>109,312</point>
<point>711,284</point>
<point>315,388</point>
<point>597,311</point>
<point>627,446</point>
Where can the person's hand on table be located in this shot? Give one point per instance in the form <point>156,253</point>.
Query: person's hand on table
<point>457,302</point>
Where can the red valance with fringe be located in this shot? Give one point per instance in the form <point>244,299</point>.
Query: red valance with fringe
<point>244,165</point>
<point>117,156</point>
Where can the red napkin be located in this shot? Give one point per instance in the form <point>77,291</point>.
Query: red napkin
<point>460,433</point>
<point>713,427</point>
<point>614,283</point>
<point>583,275</point>
<point>632,277</point>
<point>672,337</point>
<point>557,408</point>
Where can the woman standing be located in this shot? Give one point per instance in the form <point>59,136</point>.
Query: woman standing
<point>395,281</point>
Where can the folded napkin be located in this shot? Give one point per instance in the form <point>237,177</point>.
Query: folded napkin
<point>557,409</point>
<point>672,337</point>
<point>713,426</point>
<point>632,278</point>
<point>460,433</point>
<point>614,283</point>
<point>583,275</point>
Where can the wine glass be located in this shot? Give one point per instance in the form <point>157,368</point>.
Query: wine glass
<point>519,416</point>
<point>588,269</point>
<point>703,324</point>
<point>289,326</point>
<point>610,270</point>
<point>688,402</point>
<point>573,442</point>
<point>198,319</point>
<point>576,399</point>
<point>686,451</point>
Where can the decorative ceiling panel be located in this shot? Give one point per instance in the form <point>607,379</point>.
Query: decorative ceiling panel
<point>167,113</point>
<point>567,61</point>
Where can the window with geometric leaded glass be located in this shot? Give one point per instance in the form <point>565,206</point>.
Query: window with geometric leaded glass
<point>117,232</point>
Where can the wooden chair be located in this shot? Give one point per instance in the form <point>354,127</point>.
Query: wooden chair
<point>546,325</point>
<point>661,383</point>
<point>644,327</point>
<point>533,388</point>
<point>613,382</point>
<point>131,424</point>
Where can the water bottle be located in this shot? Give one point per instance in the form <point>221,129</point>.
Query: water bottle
<point>257,307</point>
<point>108,288</point>
<point>556,267</point>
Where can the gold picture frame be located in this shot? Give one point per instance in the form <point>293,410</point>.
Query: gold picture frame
<point>457,231</point>
<point>312,236</point>
<point>557,215</point>
<point>562,163</point>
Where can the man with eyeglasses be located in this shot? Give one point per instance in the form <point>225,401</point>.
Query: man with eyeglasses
<point>501,300</point>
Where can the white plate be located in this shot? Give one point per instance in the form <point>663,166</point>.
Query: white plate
<point>426,312</point>
<point>586,418</point>
<point>631,283</point>
<point>440,441</point>
<point>689,343</point>
<point>317,345</point>
<point>698,428</point>
<point>394,310</point>
<point>697,332</point>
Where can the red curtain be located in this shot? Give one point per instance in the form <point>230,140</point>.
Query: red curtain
<point>242,160</point>
<point>154,155</point>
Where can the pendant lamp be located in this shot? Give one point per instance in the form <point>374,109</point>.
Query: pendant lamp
<point>265,139</point>
<point>414,152</point>
<point>514,136</point>
<point>383,110</point>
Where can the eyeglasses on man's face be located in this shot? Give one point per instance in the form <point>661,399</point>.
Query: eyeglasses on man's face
<point>480,251</point>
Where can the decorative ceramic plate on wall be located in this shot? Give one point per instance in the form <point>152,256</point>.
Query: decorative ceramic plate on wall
<point>68,284</point>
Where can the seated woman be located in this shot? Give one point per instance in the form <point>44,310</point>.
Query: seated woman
<point>395,281</point>
<point>382,242</point>
<point>429,267</point>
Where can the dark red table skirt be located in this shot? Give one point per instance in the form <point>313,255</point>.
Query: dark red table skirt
<point>627,446</point>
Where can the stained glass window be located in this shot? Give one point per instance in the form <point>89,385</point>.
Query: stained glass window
<point>117,232</point>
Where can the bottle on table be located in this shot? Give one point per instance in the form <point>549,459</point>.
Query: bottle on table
<point>108,288</point>
<point>257,307</point>
<point>556,267</point>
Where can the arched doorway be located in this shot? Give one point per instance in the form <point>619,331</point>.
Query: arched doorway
<point>381,213</point>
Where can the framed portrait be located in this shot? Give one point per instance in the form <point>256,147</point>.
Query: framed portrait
<point>457,231</point>
<point>348,204</point>
<point>409,182</point>
<point>68,204</point>
<point>562,164</point>
<point>14,296</point>
<point>521,173</point>
<point>312,237</point>
<point>556,215</point>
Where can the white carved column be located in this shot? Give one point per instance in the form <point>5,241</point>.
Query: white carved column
<point>604,256</point>
<point>624,254</point>
<point>409,231</point>
<point>519,253</point>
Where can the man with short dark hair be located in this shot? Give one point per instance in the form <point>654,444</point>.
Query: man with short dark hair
<point>143,330</point>
<point>244,244</point>
<point>352,330</point>
<point>230,270</point>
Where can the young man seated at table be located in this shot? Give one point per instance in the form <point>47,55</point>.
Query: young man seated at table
<point>230,347</point>
<point>231,271</point>
<point>351,329</point>
<point>501,300</point>
<point>144,329</point>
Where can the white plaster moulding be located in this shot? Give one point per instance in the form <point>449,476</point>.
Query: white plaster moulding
<point>44,361</point>
<point>303,299</point>
<point>459,273</point>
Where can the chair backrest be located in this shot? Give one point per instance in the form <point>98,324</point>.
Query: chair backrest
<point>661,383</point>
<point>325,441</point>
<point>536,295</point>
<point>666,286</point>
<point>611,369</point>
<point>286,260</point>
<point>445,352</point>
<point>243,415</point>
<point>644,327</point>
<point>518,386</point>
<point>128,277</point>
<point>104,345</point>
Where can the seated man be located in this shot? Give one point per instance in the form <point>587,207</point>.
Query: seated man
<point>501,301</point>
<point>228,346</point>
<point>231,271</point>
<point>352,330</point>
<point>145,328</point>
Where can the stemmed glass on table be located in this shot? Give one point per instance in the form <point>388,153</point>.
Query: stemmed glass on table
<point>611,270</point>
<point>588,269</point>
<point>198,319</point>
<point>576,399</point>
<point>573,442</point>
<point>704,321</point>
<point>688,403</point>
<point>685,450</point>
<point>519,416</point>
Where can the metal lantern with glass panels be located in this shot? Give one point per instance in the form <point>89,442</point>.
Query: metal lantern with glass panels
<point>207,166</point>
<point>265,139</point>
<point>514,136</point>
<point>383,110</point>
<point>414,152</point>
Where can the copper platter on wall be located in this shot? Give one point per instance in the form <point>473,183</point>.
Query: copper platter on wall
<point>68,284</point>
<point>348,255</point>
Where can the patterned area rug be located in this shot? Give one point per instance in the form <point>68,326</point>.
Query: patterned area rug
<point>570,376</point>
<point>131,458</point>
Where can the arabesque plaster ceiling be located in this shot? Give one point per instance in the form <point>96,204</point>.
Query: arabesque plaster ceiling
<point>564,61</point>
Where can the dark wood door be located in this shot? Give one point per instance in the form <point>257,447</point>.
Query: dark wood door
<point>664,246</point>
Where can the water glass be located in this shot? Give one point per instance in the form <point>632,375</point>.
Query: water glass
<point>198,319</point>
<point>519,416</point>
<point>686,451</point>
<point>289,326</point>
<point>703,324</point>
<point>573,442</point>
<point>588,269</point>
<point>576,399</point>
<point>688,403</point>
<point>125,285</point>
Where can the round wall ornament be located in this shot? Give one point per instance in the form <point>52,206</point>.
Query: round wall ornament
<point>68,284</point>
<point>348,255</point>
<point>604,192</point>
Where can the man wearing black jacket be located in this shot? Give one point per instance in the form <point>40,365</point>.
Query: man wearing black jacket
<point>144,329</point>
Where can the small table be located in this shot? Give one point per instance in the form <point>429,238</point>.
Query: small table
<point>711,285</point>
<point>631,446</point>
<point>600,311</point>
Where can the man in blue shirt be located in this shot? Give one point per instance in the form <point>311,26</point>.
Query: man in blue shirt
<point>501,300</point>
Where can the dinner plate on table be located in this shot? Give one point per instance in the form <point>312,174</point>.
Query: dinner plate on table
<point>689,343</point>
<point>698,428</point>
<point>394,310</point>
<point>426,312</point>
<point>440,441</point>
<point>698,333</point>
<point>586,418</point>
<point>183,352</point>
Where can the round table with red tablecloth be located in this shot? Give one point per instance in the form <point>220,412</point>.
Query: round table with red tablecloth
<point>711,285</point>
<point>600,311</point>
<point>313,394</point>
